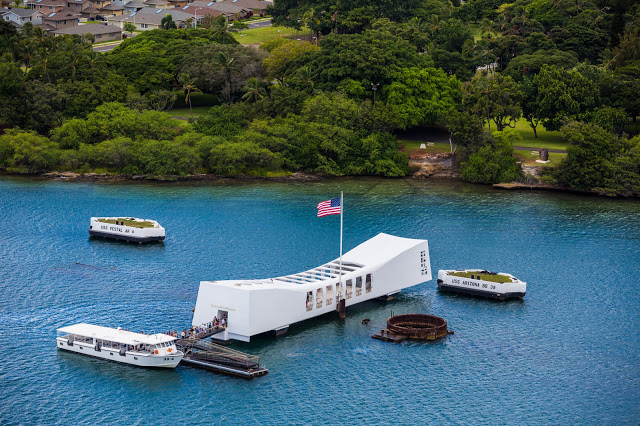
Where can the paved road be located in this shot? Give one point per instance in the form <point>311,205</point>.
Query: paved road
<point>102,48</point>
<point>260,24</point>
<point>525,148</point>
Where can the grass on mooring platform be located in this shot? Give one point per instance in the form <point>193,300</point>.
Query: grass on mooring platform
<point>128,222</point>
<point>485,277</point>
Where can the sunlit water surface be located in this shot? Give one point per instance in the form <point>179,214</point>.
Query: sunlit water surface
<point>568,353</point>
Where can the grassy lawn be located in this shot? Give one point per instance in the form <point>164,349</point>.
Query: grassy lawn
<point>476,32</point>
<point>260,35</point>
<point>128,222</point>
<point>530,159</point>
<point>184,112</point>
<point>411,146</point>
<point>545,139</point>
<point>485,277</point>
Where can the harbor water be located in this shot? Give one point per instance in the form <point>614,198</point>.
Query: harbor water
<point>568,353</point>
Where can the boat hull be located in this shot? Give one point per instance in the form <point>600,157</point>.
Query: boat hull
<point>481,293</point>
<point>126,238</point>
<point>131,358</point>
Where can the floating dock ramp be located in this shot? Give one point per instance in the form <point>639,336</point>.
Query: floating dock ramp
<point>214,357</point>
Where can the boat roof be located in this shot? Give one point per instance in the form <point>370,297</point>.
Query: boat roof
<point>379,249</point>
<point>115,335</point>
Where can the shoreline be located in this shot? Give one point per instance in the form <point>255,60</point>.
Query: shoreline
<point>105,177</point>
<point>294,177</point>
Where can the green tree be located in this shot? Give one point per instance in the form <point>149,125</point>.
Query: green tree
<point>423,96</point>
<point>222,28</point>
<point>530,106</point>
<point>188,86</point>
<point>225,61</point>
<point>590,155</point>
<point>564,95</point>
<point>496,99</point>
<point>167,23</point>
<point>225,121</point>
<point>254,90</point>
<point>24,151</point>
<point>371,57</point>
<point>494,162</point>
<point>279,62</point>
<point>224,69</point>
<point>129,27</point>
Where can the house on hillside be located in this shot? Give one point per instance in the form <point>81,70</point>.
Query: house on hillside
<point>46,6</point>
<point>151,19</point>
<point>21,16</point>
<point>158,4</point>
<point>133,6</point>
<point>63,19</point>
<point>78,5</point>
<point>258,7</point>
<point>199,12</point>
<point>231,11</point>
<point>112,10</point>
<point>100,32</point>
<point>178,3</point>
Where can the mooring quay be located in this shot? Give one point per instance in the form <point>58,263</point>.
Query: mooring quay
<point>204,354</point>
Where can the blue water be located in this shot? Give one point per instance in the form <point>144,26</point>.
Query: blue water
<point>568,353</point>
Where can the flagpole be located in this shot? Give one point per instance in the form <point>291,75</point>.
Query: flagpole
<point>341,211</point>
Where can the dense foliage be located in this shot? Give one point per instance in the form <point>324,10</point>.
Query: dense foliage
<point>331,104</point>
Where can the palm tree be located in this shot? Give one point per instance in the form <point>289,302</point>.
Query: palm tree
<point>253,90</point>
<point>486,28</point>
<point>29,49</point>
<point>167,23</point>
<point>43,57</point>
<point>94,59</point>
<point>309,19</point>
<point>305,76</point>
<point>225,60</point>
<point>189,86</point>
<point>7,46</point>
<point>222,27</point>
<point>74,56</point>
<point>434,24</point>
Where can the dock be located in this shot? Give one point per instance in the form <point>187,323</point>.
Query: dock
<point>200,353</point>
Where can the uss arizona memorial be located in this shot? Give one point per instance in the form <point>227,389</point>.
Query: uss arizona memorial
<point>379,267</point>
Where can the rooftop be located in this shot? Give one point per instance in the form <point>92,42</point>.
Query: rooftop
<point>251,4</point>
<point>89,29</point>
<point>46,2</point>
<point>115,335</point>
<point>222,7</point>
<point>377,250</point>
<point>61,16</point>
<point>112,7</point>
<point>20,12</point>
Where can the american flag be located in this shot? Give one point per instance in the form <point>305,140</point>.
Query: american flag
<point>329,207</point>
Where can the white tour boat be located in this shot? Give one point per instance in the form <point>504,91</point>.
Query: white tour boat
<point>126,229</point>
<point>482,283</point>
<point>155,350</point>
<point>377,268</point>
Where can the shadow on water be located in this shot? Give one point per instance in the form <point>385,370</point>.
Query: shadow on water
<point>377,311</point>
<point>450,295</point>
<point>110,241</point>
<point>149,379</point>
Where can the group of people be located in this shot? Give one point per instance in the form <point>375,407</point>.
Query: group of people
<point>192,332</point>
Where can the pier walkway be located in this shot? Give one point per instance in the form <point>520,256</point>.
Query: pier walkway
<point>211,356</point>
